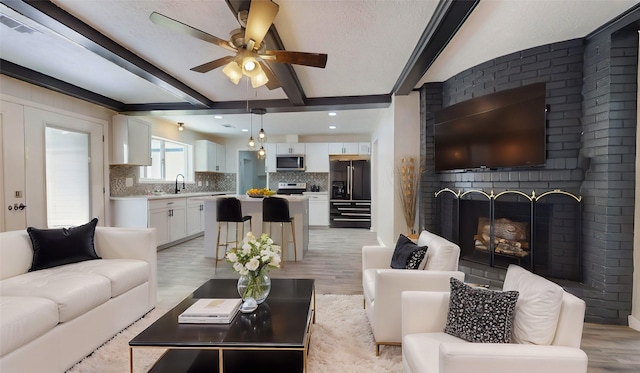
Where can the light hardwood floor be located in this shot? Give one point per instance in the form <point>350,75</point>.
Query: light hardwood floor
<point>334,261</point>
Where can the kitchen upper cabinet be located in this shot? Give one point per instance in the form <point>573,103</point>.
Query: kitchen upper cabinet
<point>344,148</point>
<point>221,158</point>
<point>131,141</point>
<point>169,218</point>
<point>364,148</point>
<point>270,161</point>
<point>290,148</point>
<point>317,157</point>
<point>209,156</point>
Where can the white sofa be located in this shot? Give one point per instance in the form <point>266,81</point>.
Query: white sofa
<point>554,322</point>
<point>382,285</point>
<point>52,318</point>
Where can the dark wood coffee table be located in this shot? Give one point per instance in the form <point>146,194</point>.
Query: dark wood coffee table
<point>274,338</point>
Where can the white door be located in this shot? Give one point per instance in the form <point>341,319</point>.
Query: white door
<point>36,122</point>
<point>12,164</point>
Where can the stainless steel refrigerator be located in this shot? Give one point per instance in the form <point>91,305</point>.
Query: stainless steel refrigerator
<point>350,193</point>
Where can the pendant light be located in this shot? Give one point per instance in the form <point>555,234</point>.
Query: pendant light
<point>251,145</point>
<point>262,136</point>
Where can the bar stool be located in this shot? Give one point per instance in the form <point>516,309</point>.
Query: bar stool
<point>276,210</point>
<point>229,210</point>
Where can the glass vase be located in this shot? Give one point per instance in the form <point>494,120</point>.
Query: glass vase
<point>256,286</point>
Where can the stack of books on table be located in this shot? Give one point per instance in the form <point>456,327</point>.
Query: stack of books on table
<point>211,311</point>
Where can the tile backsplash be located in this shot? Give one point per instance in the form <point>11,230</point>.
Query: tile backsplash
<point>204,182</point>
<point>320,179</point>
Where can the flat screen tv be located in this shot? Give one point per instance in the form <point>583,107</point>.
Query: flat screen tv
<point>498,130</point>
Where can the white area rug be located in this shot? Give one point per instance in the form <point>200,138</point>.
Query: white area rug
<point>341,341</point>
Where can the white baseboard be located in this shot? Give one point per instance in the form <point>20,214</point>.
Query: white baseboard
<point>634,323</point>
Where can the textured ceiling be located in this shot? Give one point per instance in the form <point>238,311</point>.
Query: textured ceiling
<point>368,43</point>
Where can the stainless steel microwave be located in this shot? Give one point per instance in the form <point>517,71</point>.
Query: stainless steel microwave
<point>290,162</point>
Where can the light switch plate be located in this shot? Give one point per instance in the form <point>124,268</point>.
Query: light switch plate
<point>199,182</point>
<point>128,182</point>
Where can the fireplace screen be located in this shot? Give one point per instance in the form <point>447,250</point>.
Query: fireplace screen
<point>540,233</point>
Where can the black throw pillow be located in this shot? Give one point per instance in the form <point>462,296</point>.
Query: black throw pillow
<point>480,315</point>
<point>407,255</point>
<point>55,247</point>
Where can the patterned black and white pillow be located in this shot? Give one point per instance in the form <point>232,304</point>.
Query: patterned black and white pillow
<point>416,258</point>
<point>480,315</point>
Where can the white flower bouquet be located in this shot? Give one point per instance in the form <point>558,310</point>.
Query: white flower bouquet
<point>253,260</point>
<point>255,255</point>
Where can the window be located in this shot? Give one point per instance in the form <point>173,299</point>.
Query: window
<point>67,176</point>
<point>168,159</point>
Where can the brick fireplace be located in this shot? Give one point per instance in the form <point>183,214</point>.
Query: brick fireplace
<point>591,93</point>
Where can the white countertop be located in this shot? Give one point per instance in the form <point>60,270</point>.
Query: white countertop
<point>171,195</point>
<point>246,198</point>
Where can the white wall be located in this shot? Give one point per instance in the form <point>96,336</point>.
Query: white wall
<point>406,144</point>
<point>396,137</point>
<point>384,202</point>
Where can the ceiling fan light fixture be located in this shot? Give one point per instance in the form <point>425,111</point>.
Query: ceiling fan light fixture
<point>233,71</point>
<point>250,66</point>
<point>259,79</point>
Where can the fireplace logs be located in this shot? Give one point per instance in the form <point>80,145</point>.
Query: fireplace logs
<point>511,238</point>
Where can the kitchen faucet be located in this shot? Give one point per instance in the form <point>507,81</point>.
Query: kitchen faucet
<point>178,190</point>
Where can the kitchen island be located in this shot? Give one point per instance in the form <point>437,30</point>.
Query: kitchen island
<point>298,208</point>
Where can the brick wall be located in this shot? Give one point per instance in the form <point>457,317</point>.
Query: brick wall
<point>591,93</point>
<point>609,125</point>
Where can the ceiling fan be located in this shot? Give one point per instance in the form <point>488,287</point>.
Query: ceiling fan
<point>247,44</point>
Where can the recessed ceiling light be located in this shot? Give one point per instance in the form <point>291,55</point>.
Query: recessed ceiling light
<point>332,127</point>
<point>245,130</point>
<point>218,116</point>
<point>332,114</point>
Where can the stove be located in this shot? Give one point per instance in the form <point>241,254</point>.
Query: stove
<point>292,188</point>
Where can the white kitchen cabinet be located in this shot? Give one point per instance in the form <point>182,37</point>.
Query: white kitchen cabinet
<point>318,208</point>
<point>169,218</point>
<point>221,158</point>
<point>317,157</point>
<point>131,141</point>
<point>195,216</point>
<point>364,148</point>
<point>344,148</point>
<point>209,156</point>
<point>270,161</point>
<point>290,148</point>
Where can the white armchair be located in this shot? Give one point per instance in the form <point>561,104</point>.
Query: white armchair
<point>382,286</point>
<point>427,349</point>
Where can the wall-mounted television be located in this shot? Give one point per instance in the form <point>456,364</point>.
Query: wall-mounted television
<point>502,129</point>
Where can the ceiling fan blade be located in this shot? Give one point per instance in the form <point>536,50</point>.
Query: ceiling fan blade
<point>299,58</point>
<point>206,67</point>
<point>162,20</point>
<point>261,16</point>
<point>273,82</point>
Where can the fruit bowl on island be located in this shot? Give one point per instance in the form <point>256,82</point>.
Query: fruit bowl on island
<point>260,193</point>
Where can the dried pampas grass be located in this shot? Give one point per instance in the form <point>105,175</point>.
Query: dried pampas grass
<point>409,172</point>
